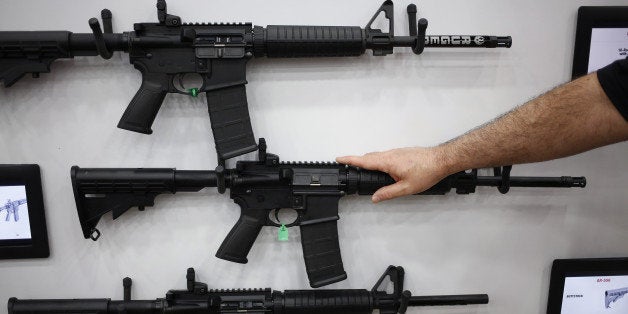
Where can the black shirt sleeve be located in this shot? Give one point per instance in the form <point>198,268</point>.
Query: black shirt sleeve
<point>614,81</point>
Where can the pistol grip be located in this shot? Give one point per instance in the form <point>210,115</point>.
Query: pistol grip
<point>240,239</point>
<point>321,252</point>
<point>230,120</point>
<point>142,110</point>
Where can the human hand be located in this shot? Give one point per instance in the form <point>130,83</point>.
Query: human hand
<point>415,169</point>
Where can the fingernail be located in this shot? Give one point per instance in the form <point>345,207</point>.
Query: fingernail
<point>375,198</point>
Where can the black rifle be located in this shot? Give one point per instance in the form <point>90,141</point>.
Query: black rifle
<point>198,299</point>
<point>166,51</point>
<point>259,187</point>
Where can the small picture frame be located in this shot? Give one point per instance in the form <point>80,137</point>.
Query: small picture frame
<point>23,232</point>
<point>586,286</point>
<point>601,38</point>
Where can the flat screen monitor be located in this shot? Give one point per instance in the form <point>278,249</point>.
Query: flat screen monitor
<point>601,38</point>
<point>589,286</point>
<point>23,232</point>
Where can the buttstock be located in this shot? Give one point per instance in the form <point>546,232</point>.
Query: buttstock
<point>30,52</point>
<point>12,71</point>
<point>93,198</point>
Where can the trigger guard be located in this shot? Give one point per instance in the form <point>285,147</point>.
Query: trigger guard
<point>271,223</point>
<point>277,216</point>
<point>293,224</point>
<point>177,85</point>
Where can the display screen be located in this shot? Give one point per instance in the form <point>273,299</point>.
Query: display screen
<point>607,45</point>
<point>595,295</point>
<point>14,220</point>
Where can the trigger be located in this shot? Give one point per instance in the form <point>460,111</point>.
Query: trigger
<point>183,81</point>
<point>277,216</point>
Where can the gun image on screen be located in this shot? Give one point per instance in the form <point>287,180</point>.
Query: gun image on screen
<point>197,298</point>
<point>263,186</point>
<point>167,51</point>
<point>611,296</point>
<point>12,207</point>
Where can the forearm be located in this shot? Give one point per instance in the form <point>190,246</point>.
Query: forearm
<point>570,119</point>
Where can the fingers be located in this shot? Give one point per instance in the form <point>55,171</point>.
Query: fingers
<point>348,160</point>
<point>371,161</point>
<point>400,188</point>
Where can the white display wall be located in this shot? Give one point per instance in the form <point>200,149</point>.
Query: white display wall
<point>314,109</point>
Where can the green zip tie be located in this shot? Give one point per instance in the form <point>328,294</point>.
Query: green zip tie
<point>283,233</point>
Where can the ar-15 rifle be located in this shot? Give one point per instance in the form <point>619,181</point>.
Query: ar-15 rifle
<point>611,296</point>
<point>165,52</point>
<point>198,299</point>
<point>259,187</point>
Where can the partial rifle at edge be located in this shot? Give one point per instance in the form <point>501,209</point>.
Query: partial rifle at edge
<point>259,187</point>
<point>166,51</point>
<point>197,298</point>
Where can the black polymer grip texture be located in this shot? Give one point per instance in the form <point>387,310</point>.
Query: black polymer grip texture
<point>289,41</point>
<point>371,181</point>
<point>242,236</point>
<point>141,112</point>
<point>230,120</point>
<point>356,301</point>
<point>321,251</point>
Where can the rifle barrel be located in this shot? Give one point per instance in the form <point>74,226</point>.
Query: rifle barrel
<point>448,300</point>
<point>544,182</point>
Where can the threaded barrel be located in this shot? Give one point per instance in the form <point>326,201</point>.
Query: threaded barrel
<point>467,41</point>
